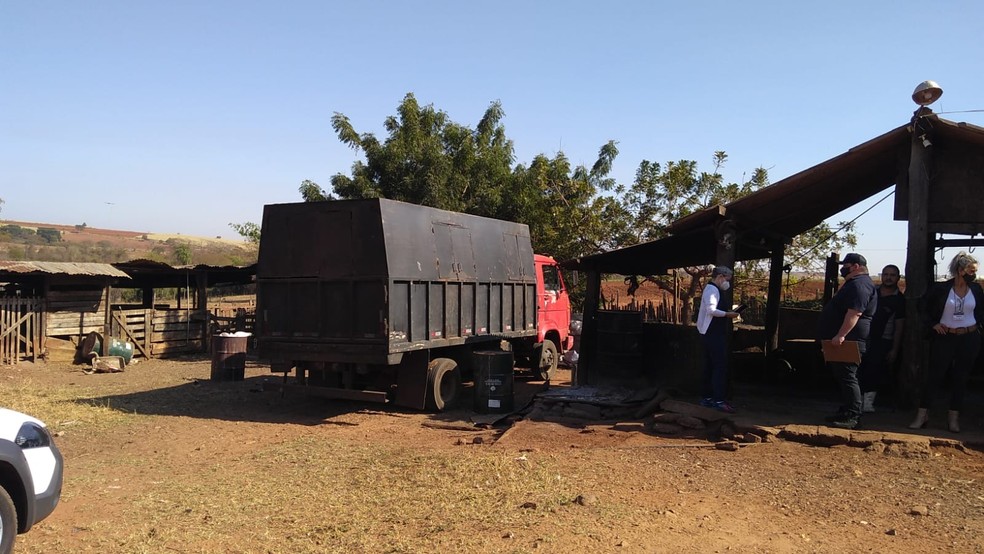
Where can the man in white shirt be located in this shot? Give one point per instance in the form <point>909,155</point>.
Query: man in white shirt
<point>712,324</point>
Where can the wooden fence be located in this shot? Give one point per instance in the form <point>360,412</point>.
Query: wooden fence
<point>20,329</point>
<point>230,320</point>
<point>160,333</point>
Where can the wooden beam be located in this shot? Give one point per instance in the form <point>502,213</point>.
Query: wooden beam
<point>775,297</point>
<point>589,330</point>
<point>918,266</point>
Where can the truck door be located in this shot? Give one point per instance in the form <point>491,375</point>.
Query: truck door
<point>554,306</point>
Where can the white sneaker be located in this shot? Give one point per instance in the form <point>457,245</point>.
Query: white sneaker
<point>868,402</point>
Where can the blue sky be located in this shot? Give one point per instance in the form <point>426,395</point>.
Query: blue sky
<point>181,116</point>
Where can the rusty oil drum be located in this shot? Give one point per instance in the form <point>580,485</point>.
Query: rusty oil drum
<point>229,357</point>
<point>493,371</point>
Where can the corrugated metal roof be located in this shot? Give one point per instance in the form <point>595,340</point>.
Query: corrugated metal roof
<point>62,268</point>
<point>782,210</point>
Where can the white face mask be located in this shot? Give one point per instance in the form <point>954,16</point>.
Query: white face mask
<point>725,285</point>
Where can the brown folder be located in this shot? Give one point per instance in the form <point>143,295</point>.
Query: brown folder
<point>847,352</point>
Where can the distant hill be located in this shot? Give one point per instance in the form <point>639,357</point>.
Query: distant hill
<point>21,240</point>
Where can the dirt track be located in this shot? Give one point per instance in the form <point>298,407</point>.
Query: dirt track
<point>183,464</point>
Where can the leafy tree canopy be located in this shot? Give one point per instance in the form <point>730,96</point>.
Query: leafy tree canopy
<point>426,158</point>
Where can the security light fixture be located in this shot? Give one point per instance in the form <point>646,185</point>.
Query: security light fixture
<point>926,93</point>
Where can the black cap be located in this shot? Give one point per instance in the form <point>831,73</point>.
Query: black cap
<point>853,258</point>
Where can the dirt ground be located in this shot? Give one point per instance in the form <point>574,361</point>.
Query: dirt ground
<point>170,450</point>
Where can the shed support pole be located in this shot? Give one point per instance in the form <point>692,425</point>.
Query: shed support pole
<point>201,286</point>
<point>148,297</point>
<point>107,321</point>
<point>775,298</point>
<point>726,235</point>
<point>918,270</point>
<point>589,330</point>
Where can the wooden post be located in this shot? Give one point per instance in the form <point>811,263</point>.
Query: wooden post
<point>918,270</point>
<point>43,314</point>
<point>148,297</point>
<point>775,297</point>
<point>830,277</point>
<point>201,308</point>
<point>726,234</point>
<point>676,296</point>
<point>589,329</point>
<point>108,322</point>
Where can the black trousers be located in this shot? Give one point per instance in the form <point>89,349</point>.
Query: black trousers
<point>715,359</point>
<point>846,375</point>
<point>953,354</point>
<point>873,373</point>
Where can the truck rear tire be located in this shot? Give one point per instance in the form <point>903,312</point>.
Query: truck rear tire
<point>443,384</point>
<point>548,359</point>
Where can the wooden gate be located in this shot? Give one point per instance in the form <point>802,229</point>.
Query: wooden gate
<point>20,329</point>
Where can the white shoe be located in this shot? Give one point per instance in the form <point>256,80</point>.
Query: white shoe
<point>868,402</point>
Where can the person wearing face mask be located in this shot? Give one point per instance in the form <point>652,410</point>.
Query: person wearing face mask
<point>954,310</point>
<point>884,338</point>
<point>712,326</point>
<point>847,316</point>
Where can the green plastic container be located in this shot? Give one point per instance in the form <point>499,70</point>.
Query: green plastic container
<point>117,347</point>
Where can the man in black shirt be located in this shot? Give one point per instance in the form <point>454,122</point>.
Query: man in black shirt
<point>884,339</point>
<point>848,317</point>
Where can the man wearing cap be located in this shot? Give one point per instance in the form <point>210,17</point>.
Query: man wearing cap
<point>848,317</point>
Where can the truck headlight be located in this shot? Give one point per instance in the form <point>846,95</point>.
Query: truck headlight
<point>32,435</point>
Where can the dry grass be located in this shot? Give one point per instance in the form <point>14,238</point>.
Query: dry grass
<point>310,495</point>
<point>61,407</point>
<point>305,494</point>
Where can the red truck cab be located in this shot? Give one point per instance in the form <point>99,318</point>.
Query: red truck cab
<point>553,317</point>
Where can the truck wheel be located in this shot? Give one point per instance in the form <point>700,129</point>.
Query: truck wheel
<point>548,360</point>
<point>8,522</point>
<point>443,384</point>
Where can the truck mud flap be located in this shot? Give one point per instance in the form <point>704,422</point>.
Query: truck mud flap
<point>411,380</point>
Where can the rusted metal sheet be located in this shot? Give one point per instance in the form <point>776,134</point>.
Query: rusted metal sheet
<point>62,268</point>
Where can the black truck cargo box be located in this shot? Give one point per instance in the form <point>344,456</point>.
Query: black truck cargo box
<point>365,280</point>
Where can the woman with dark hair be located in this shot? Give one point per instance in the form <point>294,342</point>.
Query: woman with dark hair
<point>954,311</point>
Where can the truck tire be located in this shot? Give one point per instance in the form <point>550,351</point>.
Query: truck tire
<point>443,384</point>
<point>548,359</point>
<point>8,522</point>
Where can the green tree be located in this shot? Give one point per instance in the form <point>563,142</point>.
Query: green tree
<point>49,234</point>
<point>312,192</point>
<point>248,230</point>
<point>430,160</point>
<point>562,206</point>
<point>661,195</point>
<point>182,254</point>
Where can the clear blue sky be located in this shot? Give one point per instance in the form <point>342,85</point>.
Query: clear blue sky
<point>184,116</point>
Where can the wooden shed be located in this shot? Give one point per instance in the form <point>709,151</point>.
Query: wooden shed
<point>47,308</point>
<point>936,165</point>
